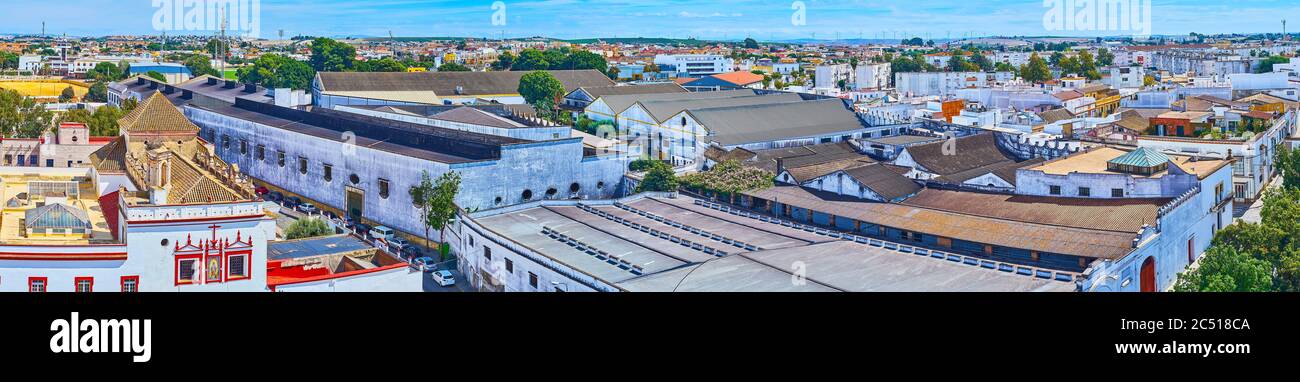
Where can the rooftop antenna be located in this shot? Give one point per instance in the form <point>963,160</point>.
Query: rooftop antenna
<point>222,45</point>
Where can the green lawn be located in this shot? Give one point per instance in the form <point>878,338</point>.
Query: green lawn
<point>229,74</point>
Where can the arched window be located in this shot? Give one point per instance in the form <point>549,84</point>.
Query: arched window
<point>573,188</point>
<point>527,195</point>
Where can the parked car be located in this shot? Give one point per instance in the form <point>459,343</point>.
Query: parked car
<point>274,196</point>
<point>397,244</point>
<point>292,202</point>
<point>381,232</point>
<point>329,215</point>
<point>307,208</point>
<point>261,190</point>
<point>425,264</point>
<point>410,252</point>
<point>444,277</point>
<point>362,230</point>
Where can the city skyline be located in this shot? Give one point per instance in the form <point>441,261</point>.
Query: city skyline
<point>722,20</point>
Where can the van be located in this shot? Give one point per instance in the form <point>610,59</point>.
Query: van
<point>381,232</point>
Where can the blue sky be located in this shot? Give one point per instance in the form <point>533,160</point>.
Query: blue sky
<point>716,19</point>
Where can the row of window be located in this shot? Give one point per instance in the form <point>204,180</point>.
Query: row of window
<point>129,284</point>
<point>1086,191</point>
<point>212,268</point>
<point>32,161</point>
<point>510,266</point>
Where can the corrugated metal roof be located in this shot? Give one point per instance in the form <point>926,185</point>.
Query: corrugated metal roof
<point>1090,243</point>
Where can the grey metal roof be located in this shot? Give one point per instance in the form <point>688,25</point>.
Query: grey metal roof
<point>451,83</point>
<point>317,246</point>
<point>657,88</point>
<point>662,110</point>
<point>838,266</point>
<point>731,126</point>
<point>619,103</point>
<point>880,179</point>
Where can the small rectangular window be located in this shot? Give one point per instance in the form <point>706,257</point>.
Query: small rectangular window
<point>532,279</point>
<point>260,153</point>
<point>1117,192</point>
<point>186,270</point>
<point>302,165</point>
<point>243,147</point>
<point>510,266</point>
<point>36,284</point>
<point>328,171</point>
<point>280,158</point>
<point>487,253</point>
<point>238,267</point>
<point>130,284</point>
<point>383,188</point>
<point>1054,190</point>
<point>85,284</point>
<point>1085,191</point>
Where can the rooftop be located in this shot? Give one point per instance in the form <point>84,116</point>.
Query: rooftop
<point>1038,236</point>
<point>24,191</point>
<point>449,84</point>
<point>324,258</point>
<point>664,265</point>
<point>1096,159</point>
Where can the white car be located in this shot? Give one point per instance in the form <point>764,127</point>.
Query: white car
<point>444,277</point>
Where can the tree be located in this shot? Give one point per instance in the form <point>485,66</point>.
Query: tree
<point>67,95</point>
<point>200,65</point>
<point>98,92</point>
<point>959,64</point>
<point>582,60</point>
<point>982,61</point>
<point>1227,270</point>
<point>8,60</point>
<point>155,75</point>
<point>453,67</point>
<point>102,123</point>
<point>659,178</point>
<point>504,61</point>
<point>1266,66</point>
<point>276,71</point>
<point>1271,242</point>
<point>106,71</point>
<point>542,90</point>
<point>1105,57</point>
<point>305,228</point>
<point>437,202</point>
<point>386,64</point>
<point>1288,163</point>
<point>328,55</point>
<point>22,117</point>
<point>751,43</point>
<point>531,59</point>
<point>1036,70</point>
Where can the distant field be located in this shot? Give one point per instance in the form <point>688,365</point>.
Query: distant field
<point>229,74</point>
<point>47,89</point>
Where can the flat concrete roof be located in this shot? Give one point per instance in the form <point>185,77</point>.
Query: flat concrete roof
<point>1094,161</point>
<point>839,266</point>
<point>770,265</point>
